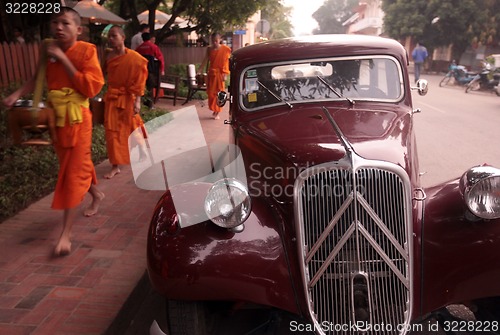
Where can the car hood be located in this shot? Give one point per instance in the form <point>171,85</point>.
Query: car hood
<point>304,137</point>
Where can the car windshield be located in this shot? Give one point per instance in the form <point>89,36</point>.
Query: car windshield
<point>374,78</point>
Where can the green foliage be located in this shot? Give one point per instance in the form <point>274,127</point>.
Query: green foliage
<point>27,174</point>
<point>217,15</point>
<point>405,18</point>
<point>332,14</point>
<point>99,152</point>
<point>180,70</point>
<point>148,115</point>
<point>156,121</point>
<point>206,15</point>
<point>279,18</point>
<point>461,23</point>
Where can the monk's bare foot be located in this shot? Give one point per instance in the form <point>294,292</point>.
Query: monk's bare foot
<point>94,205</point>
<point>114,171</point>
<point>63,247</point>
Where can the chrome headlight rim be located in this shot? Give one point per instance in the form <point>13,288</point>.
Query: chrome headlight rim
<point>475,180</point>
<point>228,203</point>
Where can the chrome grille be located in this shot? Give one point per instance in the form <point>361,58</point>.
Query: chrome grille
<point>355,230</point>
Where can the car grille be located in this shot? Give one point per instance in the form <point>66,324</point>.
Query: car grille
<point>354,228</point>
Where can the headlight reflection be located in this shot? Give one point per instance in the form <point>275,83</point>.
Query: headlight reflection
<point>228,203</point>
<point>481,190</point>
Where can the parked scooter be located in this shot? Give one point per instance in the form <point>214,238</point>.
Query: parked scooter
<point>457,74</point>
<point>486,80</point>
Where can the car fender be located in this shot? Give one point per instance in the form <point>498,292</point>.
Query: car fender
<point>207,262</point>
<point>460,258</point>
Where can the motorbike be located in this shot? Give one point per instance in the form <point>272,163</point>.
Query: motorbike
<point>486,80</point>
<point>457,74</point>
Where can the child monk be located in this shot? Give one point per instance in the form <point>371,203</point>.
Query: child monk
<point>73,75</point>
<point>127,72</point>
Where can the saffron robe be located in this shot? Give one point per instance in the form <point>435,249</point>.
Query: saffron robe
<point>73,145</point>
<point>218,66</point>
<point>126,76</point>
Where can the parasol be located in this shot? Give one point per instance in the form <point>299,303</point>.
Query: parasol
<point>160,19</point>
<point>95,13</point>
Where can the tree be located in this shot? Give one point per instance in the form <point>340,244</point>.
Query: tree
<point>444,22</point>
<point>278,15</point>
<point>332,14</point>
<point>205,15</point>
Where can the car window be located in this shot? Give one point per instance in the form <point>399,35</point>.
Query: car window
<point>361,78</point>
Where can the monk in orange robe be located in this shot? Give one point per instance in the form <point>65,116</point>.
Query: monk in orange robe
<point>218,59</point>
<point>127,72</point>
<point>73,75</point>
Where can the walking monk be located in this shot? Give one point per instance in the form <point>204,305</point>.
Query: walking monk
<point>127,72</point>
<point>73,75</point>
<point>218,59</point>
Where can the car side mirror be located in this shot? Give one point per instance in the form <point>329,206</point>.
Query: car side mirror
<point>422,87</point>
<point>222,97</point>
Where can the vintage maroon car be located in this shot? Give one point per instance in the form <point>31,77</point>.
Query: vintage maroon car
<point>331,224</point>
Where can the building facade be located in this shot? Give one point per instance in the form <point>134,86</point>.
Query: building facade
<point>368,19</point>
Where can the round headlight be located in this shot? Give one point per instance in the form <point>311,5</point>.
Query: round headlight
<point>228,203</point>
<point>481,189</point>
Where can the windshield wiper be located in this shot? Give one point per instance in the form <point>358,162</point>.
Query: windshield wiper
<point>334,90</point>
<point>274,95</point>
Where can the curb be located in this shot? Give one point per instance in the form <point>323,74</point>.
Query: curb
<point>126,315</point>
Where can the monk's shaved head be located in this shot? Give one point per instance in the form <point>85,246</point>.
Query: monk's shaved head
<point>118,29</point>
<point>67,10</point>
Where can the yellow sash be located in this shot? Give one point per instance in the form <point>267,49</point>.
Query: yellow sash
<point>68,101</point>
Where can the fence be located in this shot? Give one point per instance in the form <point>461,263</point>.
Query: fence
<point>18,61</point>
<point>180,55</point>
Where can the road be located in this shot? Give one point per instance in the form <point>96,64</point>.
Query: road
<point>455,131</point>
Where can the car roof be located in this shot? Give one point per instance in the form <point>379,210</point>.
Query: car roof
<point>318,46</point>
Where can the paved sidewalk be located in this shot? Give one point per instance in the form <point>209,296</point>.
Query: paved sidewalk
<point>91,290</point>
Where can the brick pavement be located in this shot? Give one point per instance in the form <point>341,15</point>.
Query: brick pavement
<point>88,291</point>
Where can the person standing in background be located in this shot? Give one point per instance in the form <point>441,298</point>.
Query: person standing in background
<point>137,38</point>
<point>153,54</point>
<point>126,73</point>
<point>217,58</point>
<point>148,48</point>
<point>419,55</point>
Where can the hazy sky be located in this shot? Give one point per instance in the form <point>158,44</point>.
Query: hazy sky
<point>302,15</point>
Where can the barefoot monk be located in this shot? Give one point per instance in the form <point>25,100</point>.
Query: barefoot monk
<point>126,72</point>
<point>73,75</point>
